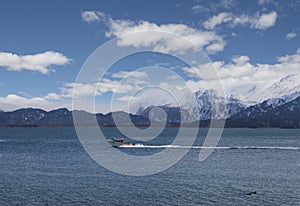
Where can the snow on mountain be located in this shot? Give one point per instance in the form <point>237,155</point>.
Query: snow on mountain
<point>275,102</point>
<point>151,97</point>
<point>182,100</point>
<point>281,92</point>
<point>284,115</point>
<point>224,106</point>
<point>288,85</point>
<point>160,97</point>
<point>208,105</point>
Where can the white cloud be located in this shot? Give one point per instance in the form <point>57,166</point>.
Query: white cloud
<point>36,62</point>
<point>290,59</point>
<point>215,47</point>
<point>291,35</point>
<point>67,90</point>
<point>266,20</point>
<point>262,21</point>
<point>217,20</point>
<point>242,78</point>
<point>80,90</point>
<point>52,96</point>
<point>13,101</point>
<point>240,60</point>
<point>92,16</point>
<point>162,40</point>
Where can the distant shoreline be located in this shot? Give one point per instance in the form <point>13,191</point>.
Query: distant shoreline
<point>123,126</point>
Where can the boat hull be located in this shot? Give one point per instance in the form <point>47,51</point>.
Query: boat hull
<point>120,143</point>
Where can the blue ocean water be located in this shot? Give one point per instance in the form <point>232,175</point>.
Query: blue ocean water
<point>48,166</point>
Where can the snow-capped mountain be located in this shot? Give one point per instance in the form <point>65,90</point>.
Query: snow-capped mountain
<point>208,101</point>
<point>280,108</point>
<point>284,114</point>
<point>283,91</point>
<point>287,85</point>
<point>266,106</point>
<point>279,112</point>
<point>275,102</point>
<point>181,101</point>
<point>161,97</point>
<point>208,105</point>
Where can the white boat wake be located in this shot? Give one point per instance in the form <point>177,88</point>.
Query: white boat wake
<point>205,147</point>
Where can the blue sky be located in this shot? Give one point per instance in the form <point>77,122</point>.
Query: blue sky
<point>44,44</point>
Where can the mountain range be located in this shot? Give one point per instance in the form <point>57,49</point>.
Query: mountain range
<point>281,112</point>
<point>30,117</point>
<point>277,105</point>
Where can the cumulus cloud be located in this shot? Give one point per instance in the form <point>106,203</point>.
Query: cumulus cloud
<point>13,101</point>
<point>240,60</point>
<point>67,91</point>
<point>259,21</point>
<point>80,90</point>
<point>291,35</point>
<point>52,96</point>
<point>36,62</point>
<point>287,59</point>
<point>240,77</point>
<point>265,21</point>
<point>217,20</point>
<point>162,40</point>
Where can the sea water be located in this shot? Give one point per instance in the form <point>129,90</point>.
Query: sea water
<point>48,166</point>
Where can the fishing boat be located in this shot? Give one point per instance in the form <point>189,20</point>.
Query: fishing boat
<point>120,142</point>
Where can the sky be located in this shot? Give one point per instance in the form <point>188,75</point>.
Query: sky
<point>44,44</point>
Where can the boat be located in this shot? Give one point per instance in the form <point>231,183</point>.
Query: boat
<point>120,142</point>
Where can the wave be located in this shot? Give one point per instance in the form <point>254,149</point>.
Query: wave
<point>207,147</point>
